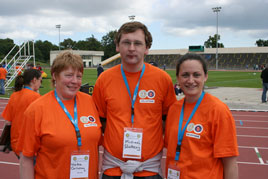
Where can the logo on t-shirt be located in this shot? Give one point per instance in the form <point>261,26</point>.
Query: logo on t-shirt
<point>142,94</point>
<point>89,121</point>
<point>190,127</point>
<point>150,94</point>
<point>147,96</point>
<point>198,128</point>
<point>193,130</point>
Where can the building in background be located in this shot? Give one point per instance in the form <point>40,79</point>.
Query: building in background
<point>90,58</point>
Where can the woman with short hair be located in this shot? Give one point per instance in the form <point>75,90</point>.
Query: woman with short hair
<point>62,127</point>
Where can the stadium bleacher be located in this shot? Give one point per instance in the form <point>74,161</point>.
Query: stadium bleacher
<point>228,58</point>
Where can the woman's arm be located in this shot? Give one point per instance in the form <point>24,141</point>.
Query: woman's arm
<point>230,168</point>
<point>26,167</point>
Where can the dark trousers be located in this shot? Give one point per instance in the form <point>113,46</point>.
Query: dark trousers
<point>118,177</point>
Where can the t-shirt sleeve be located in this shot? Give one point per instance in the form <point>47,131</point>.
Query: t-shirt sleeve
<point>30,133</point>
<point>224,132</point>
<point>7,113</point>
<point>170,96</point>
<point>98,98</point>
<point>167,130</point>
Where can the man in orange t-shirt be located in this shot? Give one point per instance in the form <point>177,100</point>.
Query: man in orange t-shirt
<point>133,97</point>
<point>3,74</point>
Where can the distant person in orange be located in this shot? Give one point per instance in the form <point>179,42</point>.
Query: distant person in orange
<point>3,74</point>
<point>26,87</point>
<point>132,99</point>
<point>19,70</point>
<point>200,134</point>
<point>39,67</point>
<point>62,128</point>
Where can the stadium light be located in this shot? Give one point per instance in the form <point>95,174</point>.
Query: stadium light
<point>58,27</point>
<point>217,10</point>
<point>132,17</point>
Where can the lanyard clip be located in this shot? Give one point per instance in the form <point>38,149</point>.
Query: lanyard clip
<point>178,149</point>
<point>132,111</point>
<point>78,135</point>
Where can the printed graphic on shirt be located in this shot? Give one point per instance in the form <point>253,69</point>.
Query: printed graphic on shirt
<point>84,119</point>
<point>198,128</point>
<point>142,94</point>
<point>150,94</point>
<point>89,121</point>
<point>190,127</point>
<point>193,130</point>
<point>147,96</point>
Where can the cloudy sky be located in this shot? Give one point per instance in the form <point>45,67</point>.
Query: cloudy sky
<point>174,24</point>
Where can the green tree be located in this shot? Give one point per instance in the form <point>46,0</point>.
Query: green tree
<point>93,44</point>
<point>5,46</point>
<point>90,43</point>
<point>81,45</point>
<point>68,44</point>
<point>262,43</point>
<point>45,48</point>
<point>108,44</point>
<point>211,42</point>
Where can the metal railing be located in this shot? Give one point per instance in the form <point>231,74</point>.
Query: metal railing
<point>17,63</point>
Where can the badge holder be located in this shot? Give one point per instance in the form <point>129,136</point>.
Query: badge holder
<point>173,171</point>
<point>79,165</point>
<point>132,145</point>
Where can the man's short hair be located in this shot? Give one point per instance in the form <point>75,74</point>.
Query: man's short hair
<point>130,27</point>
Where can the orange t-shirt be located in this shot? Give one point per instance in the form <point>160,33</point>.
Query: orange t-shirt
<point>209,136</point>
<point>155,95</point>
<point>50,134</point>
<point>3,73</point>
<point>17,104</point>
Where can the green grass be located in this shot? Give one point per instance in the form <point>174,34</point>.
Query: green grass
<point>241,79</point>
<point>215,79</point>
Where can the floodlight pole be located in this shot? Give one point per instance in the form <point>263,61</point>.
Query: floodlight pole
<point>58,27</point>
<point>217,10</point>
<point>132,17</point>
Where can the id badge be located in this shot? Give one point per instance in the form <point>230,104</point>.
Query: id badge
<point>132,144</point>
<point>173,172</point>
<point>79,165</point>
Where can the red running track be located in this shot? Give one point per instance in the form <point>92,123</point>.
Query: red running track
<point>252,136</point>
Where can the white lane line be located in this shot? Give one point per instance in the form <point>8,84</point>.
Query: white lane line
<point>9,163</point>
<point>252,136</point>
<point>252,163</point>
<point>250,121</point>
<point>259,155</point>
<point>250,147</point>
<point>251,127</point>
<point>251,115</point>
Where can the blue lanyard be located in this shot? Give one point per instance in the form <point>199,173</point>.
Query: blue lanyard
<point>74,121</point>
<point>27,87</point>
<point>181,133</point>
<point>135,91</point>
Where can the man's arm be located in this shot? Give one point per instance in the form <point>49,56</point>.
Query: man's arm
<point>230,168</point>
<point>26,167</point>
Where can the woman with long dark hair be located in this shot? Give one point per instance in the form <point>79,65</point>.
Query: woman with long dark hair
<point>26,91</point>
